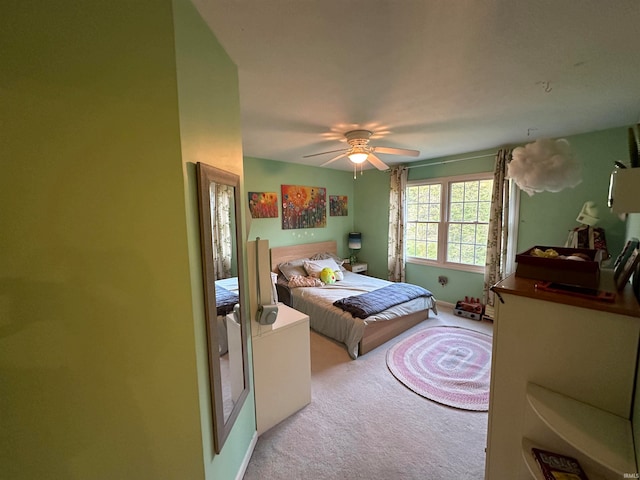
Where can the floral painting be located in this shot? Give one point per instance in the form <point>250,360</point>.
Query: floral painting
<point>263,204</point>
<point>303,207</point>
<point>338,206</point>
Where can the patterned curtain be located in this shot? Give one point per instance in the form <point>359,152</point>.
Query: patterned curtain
<point>498,227</point>
<point>396,224</point>
<point>221,204</point>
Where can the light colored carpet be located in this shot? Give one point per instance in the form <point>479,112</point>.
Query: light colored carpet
<point>363,423</point>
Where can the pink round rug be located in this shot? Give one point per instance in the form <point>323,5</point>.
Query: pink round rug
<point>449,365</point>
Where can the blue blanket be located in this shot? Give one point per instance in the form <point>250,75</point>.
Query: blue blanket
<point>225,300</point>
<point>370,303</point>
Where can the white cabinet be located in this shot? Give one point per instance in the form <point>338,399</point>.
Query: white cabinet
<point>281,368</point>
<point>562,378</point>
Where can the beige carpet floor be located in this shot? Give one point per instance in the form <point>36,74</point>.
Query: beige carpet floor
<point>363,423</point>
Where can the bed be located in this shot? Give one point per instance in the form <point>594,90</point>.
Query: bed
<point>359,335</point>
<point>226,299</point>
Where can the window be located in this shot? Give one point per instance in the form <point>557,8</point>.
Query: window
<point>447,221</point>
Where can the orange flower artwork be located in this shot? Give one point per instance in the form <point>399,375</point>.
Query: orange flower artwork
<point>303,207</point>
<point>263,204</point>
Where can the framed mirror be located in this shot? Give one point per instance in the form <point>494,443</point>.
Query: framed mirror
<point>220,236</point>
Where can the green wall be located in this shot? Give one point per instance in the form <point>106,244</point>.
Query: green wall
<point>101,326</point>
<point>210,132</point>
<point>546,218</point>
<point>267,176</point>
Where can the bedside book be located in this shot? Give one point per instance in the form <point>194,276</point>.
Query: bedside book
<point>555,466</point>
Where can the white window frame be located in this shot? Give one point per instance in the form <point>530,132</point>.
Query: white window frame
<point>445,183</point>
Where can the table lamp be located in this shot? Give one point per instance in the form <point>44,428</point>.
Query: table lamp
<point>355,243</point>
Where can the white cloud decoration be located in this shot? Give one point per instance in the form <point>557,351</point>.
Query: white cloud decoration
<point>545,165</point>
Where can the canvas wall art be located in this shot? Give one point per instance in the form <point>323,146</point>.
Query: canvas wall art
<point>338,206</point>
<point>303,207</point>
<point>263,204</point>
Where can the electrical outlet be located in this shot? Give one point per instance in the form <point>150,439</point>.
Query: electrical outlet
<point>442,280</point>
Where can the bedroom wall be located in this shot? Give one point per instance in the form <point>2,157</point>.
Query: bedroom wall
<point>545,218</point>
<point>268,175</point>
<point>209,100</point>
<point>98,354</point>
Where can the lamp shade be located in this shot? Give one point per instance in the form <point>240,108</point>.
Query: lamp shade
<point>355,240</point>
<point>358,157</point>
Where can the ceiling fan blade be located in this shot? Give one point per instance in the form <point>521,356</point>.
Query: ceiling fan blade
<point>334,159</point>
<point>324,153</point>
<point>397,151</point>
<point>376,162</point>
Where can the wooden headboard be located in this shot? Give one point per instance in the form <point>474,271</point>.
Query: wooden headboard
<point>305,250</point>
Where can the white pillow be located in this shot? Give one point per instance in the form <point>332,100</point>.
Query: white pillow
<point>314,267</point>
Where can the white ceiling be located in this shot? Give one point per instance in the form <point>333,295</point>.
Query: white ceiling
<point>440,76</point>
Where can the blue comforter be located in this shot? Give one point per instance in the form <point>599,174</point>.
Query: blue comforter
<point>225,300</point>
<point>370,303</point>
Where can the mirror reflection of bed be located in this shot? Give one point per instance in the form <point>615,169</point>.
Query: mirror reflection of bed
<point>229,343</point>
<point>358,335</point>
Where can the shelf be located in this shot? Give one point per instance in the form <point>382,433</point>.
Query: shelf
<point>601,436</point>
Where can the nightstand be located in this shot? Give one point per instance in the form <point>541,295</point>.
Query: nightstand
<point>357,267</point>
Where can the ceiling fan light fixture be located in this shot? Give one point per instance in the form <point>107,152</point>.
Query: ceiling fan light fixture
<point>358,157</point>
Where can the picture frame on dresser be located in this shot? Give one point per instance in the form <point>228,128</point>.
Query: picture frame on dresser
<point>624,255</point>
<point>627,268</point>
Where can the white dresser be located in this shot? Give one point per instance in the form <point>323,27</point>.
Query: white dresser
<point>562,379</point>
<point>281,367</point>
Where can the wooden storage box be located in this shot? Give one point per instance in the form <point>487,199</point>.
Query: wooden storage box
<point>560,270</point>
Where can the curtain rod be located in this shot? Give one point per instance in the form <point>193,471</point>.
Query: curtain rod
<point>452,160</point>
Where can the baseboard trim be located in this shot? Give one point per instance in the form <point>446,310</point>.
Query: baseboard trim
<point>247,457</point>
<point>445,305</point>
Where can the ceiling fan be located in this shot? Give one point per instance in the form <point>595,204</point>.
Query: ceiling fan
<point>360,150</point>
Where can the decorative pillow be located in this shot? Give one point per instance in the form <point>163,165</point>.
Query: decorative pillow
<point>314,267</point>
<point>293,267</point>
<point>325,255</point>
<point>302,281</point>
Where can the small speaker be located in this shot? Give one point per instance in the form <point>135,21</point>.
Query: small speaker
<point>267,314</point>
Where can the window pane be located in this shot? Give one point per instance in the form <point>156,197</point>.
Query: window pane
<point>432,233</point>
<point>468,234</point>
<point>486,188</point>
<point>456,214</point>
<point>412,195</point>
<point>424,194</point>
<point>455,233</point>
<point>423,212</point>
<point>483,211</point>
<point>411,247</point>
<point>421,231</point>
<point>457,192</point>
<point>481,254</point>
<point>470,212</point>
<point>412,212</point>
<point>471,191</point>
<point>482,231</point>
<point>467,254</point>
<point>453,252</point>
<point>434,213</point>
<point>434,194</point>
<point>411,231</point>
<point>432,251</point>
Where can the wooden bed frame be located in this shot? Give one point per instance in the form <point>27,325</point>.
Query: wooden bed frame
<point>376,333</point>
